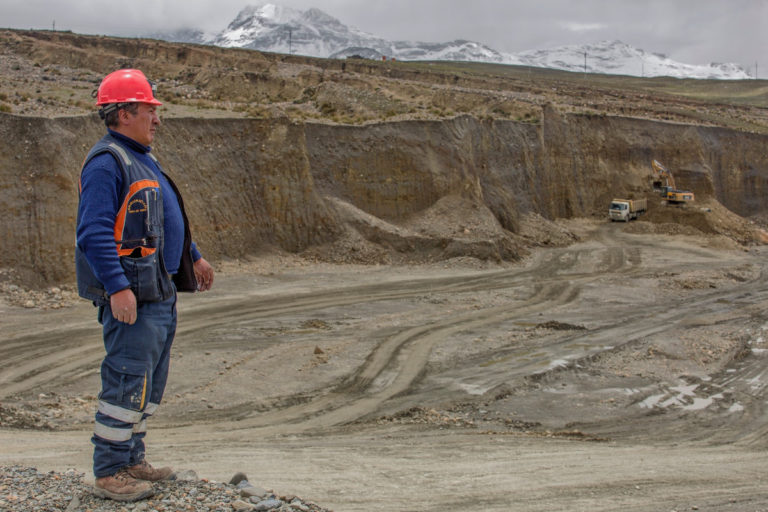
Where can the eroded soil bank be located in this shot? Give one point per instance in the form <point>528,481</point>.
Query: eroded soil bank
<point>415,191</point>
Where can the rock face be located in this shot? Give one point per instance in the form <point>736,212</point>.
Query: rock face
<point>254,185</point>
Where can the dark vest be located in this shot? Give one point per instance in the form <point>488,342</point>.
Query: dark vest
<point>139,234</point>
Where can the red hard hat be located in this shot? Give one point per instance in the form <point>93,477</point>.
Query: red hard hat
<point>126,86</point>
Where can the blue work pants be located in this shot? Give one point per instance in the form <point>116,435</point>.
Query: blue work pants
<point>133,377</point>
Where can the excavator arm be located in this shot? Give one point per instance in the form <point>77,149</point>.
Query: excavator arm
<point>668,189</point>
<point>664,173</point>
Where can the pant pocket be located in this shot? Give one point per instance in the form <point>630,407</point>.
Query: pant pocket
<point>125,383</point>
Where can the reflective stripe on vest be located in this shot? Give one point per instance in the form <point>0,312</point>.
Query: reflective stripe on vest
<point>133,203</point>
<point>122,153</point>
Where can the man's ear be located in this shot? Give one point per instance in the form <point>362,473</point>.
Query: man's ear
<point>123,115</point>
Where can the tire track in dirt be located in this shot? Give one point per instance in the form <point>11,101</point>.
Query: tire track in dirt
<point>556,278</point>
<point>550,264</point>
<point>398,362</point>
<point>391,369</point>
<point>30,360</point>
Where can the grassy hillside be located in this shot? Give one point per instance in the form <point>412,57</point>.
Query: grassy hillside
<point>45,73</point>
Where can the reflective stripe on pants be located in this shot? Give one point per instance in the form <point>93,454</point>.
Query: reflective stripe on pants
<point>133,377</point>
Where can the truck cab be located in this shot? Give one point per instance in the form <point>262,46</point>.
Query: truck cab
<point>627,209</point>
<point>619,210</point>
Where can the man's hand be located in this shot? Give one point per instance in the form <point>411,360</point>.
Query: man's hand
<point>203,274</point>
<point>123,305</point>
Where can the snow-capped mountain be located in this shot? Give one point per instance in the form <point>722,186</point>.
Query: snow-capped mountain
<point>617,58</point>
<point>280,29</point>
<point>274,28</point>
<point>314,33</point>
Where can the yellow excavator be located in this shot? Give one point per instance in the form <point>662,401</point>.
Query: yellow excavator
<point>664,182</point>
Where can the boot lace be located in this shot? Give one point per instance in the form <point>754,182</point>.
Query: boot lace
<point>122,474</point>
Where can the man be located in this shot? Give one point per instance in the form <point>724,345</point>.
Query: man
<point>133,252</point>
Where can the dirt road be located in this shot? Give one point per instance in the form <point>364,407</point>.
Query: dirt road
<point>624,372</point>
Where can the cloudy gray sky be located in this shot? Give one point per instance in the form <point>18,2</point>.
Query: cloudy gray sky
<point>690,31</point>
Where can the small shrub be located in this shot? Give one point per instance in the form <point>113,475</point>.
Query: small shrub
<point>327,109</point>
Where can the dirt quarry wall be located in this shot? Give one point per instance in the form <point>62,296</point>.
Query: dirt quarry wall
<point>251,184</point>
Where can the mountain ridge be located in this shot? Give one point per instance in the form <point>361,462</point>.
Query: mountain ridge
<point>274,28</point>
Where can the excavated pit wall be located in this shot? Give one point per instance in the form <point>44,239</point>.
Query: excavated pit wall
<point>256,184</point>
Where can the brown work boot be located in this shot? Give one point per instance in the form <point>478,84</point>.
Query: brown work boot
<point>122,487</point>
<point>144,471</point>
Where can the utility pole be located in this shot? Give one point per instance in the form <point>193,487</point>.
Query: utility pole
<point>755,70</point>
<point>54,25</point>
<point>290,41</point>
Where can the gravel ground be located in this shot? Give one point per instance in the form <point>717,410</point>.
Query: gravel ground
<point>24,489</point>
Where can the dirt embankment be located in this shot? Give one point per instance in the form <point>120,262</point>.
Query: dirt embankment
<point>360,193</point>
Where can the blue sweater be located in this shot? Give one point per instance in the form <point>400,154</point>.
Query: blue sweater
<point>101,183</point>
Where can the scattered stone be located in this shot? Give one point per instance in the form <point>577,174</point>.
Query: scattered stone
<point>318,350</point>
<point>242,505</point>
<point>186,475</point>
<point>315,323</point>
<point>24,417</point>
<point>298,505</point>
<point>560,326</point>
<point>421,415</point>
<point>237,478</point>
<point>52,298</point>
<point>268,504</point>
<point>26,489</point>
<point>73,505</point>
<point>248,491</point>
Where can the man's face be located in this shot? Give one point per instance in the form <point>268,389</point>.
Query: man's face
<point>142,125</point>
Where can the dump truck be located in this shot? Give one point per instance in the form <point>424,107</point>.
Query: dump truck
<point>627,209</point>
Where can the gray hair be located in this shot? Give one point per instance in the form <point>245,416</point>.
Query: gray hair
<point>109,113</point>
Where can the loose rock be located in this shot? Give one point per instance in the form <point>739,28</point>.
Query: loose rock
<point>269,504</point>
<point>237,478</point>
<point>26,489</point>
